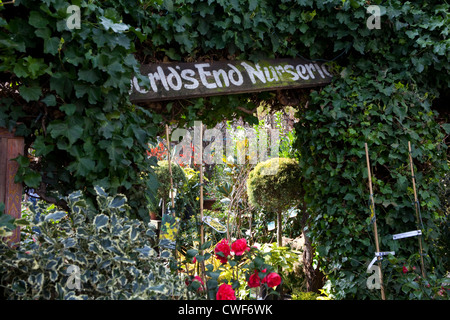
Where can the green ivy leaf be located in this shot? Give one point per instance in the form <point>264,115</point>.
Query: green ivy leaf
<point>37,20</point>
<point>88,75</point>
<point>446,127</point>
<point>51,45</point>
<point>49,100</point>
<point>116,27</point>
<point>30,93</point>
<point>41,147</point>
<point>69,109</point>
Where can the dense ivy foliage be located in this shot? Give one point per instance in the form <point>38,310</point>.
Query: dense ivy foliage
<point>68,90</point>
<point>384,97</point>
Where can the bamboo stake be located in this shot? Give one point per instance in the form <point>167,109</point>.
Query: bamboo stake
<point>416,204</point>
<point>202,236</point>
<point>201,183</point>
<point>383,297</point>
<point>169,160</point>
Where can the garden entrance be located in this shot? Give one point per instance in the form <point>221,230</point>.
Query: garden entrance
<point>65,88</point>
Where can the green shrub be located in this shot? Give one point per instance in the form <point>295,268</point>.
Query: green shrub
<point>274,185</point>
<point>89,254</point>
<point>298,295</point>
<point>163,176</point>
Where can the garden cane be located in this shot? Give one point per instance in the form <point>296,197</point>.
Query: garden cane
<point>169,223</point>
<point>416,203</point>
<point>170,170</point>
<point>202,240</point>
<point>373,217</point>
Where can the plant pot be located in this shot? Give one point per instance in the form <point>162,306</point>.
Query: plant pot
<point>153,216</point>
<point>208,203</point>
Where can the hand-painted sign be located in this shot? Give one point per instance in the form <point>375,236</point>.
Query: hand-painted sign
<point>170,81</point>
<point>169,231</point>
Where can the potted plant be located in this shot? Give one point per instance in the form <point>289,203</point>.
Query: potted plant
<point>274,185</point>
<point>163,193</point>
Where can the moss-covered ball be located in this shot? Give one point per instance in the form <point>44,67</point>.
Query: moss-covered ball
<point>274,185</point>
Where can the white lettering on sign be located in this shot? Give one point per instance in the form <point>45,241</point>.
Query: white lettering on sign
<point>188,75</point>
<point>189,79</point>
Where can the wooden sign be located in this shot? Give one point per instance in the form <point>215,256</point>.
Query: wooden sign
<point>171,81</point>
<point>10,192</point>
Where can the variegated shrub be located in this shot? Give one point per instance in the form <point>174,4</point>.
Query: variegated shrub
<point>90,253</point>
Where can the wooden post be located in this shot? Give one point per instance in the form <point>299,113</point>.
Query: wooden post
<point>374,221</point>
<point>416,203</point>
<point>202,235</point>
<point>279,229</point>
<point>10,192</point>
<point>169,160</point>
<point>200,149</point>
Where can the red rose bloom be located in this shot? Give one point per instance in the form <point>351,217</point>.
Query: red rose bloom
<point>254,281</point>
<point>272,279</point>
<point>405,269</point>
<point>225,292</point>
<point>223,247</point>
<point>197,278</point>
<point>239,247</point>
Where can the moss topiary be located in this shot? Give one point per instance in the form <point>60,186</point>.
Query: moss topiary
<point>274,185</point>
<point>163,176</point>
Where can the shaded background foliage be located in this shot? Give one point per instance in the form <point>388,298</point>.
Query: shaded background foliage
<point>66,91</point>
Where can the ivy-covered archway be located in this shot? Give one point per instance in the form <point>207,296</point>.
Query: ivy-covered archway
<point>66,90</point>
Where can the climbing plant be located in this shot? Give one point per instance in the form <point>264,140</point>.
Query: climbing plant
<point>384,96</point>
<point>66,91</point>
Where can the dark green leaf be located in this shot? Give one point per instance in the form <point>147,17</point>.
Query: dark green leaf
<point>30,93</point>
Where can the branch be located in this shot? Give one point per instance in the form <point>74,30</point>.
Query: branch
<point>42,193</point>
<point>246,110</point>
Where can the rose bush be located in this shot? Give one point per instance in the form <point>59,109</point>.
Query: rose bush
<point>222,251</point>
<point>231,272</point>
<point>407,279</point>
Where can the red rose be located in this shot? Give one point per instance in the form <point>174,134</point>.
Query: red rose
<point>225,292</point>
<point>197,278</point>
<point>272,279</point>
<point>223,247</point>
<point>405,269</point>
<point>254,281</point>
<point>239,247</point>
